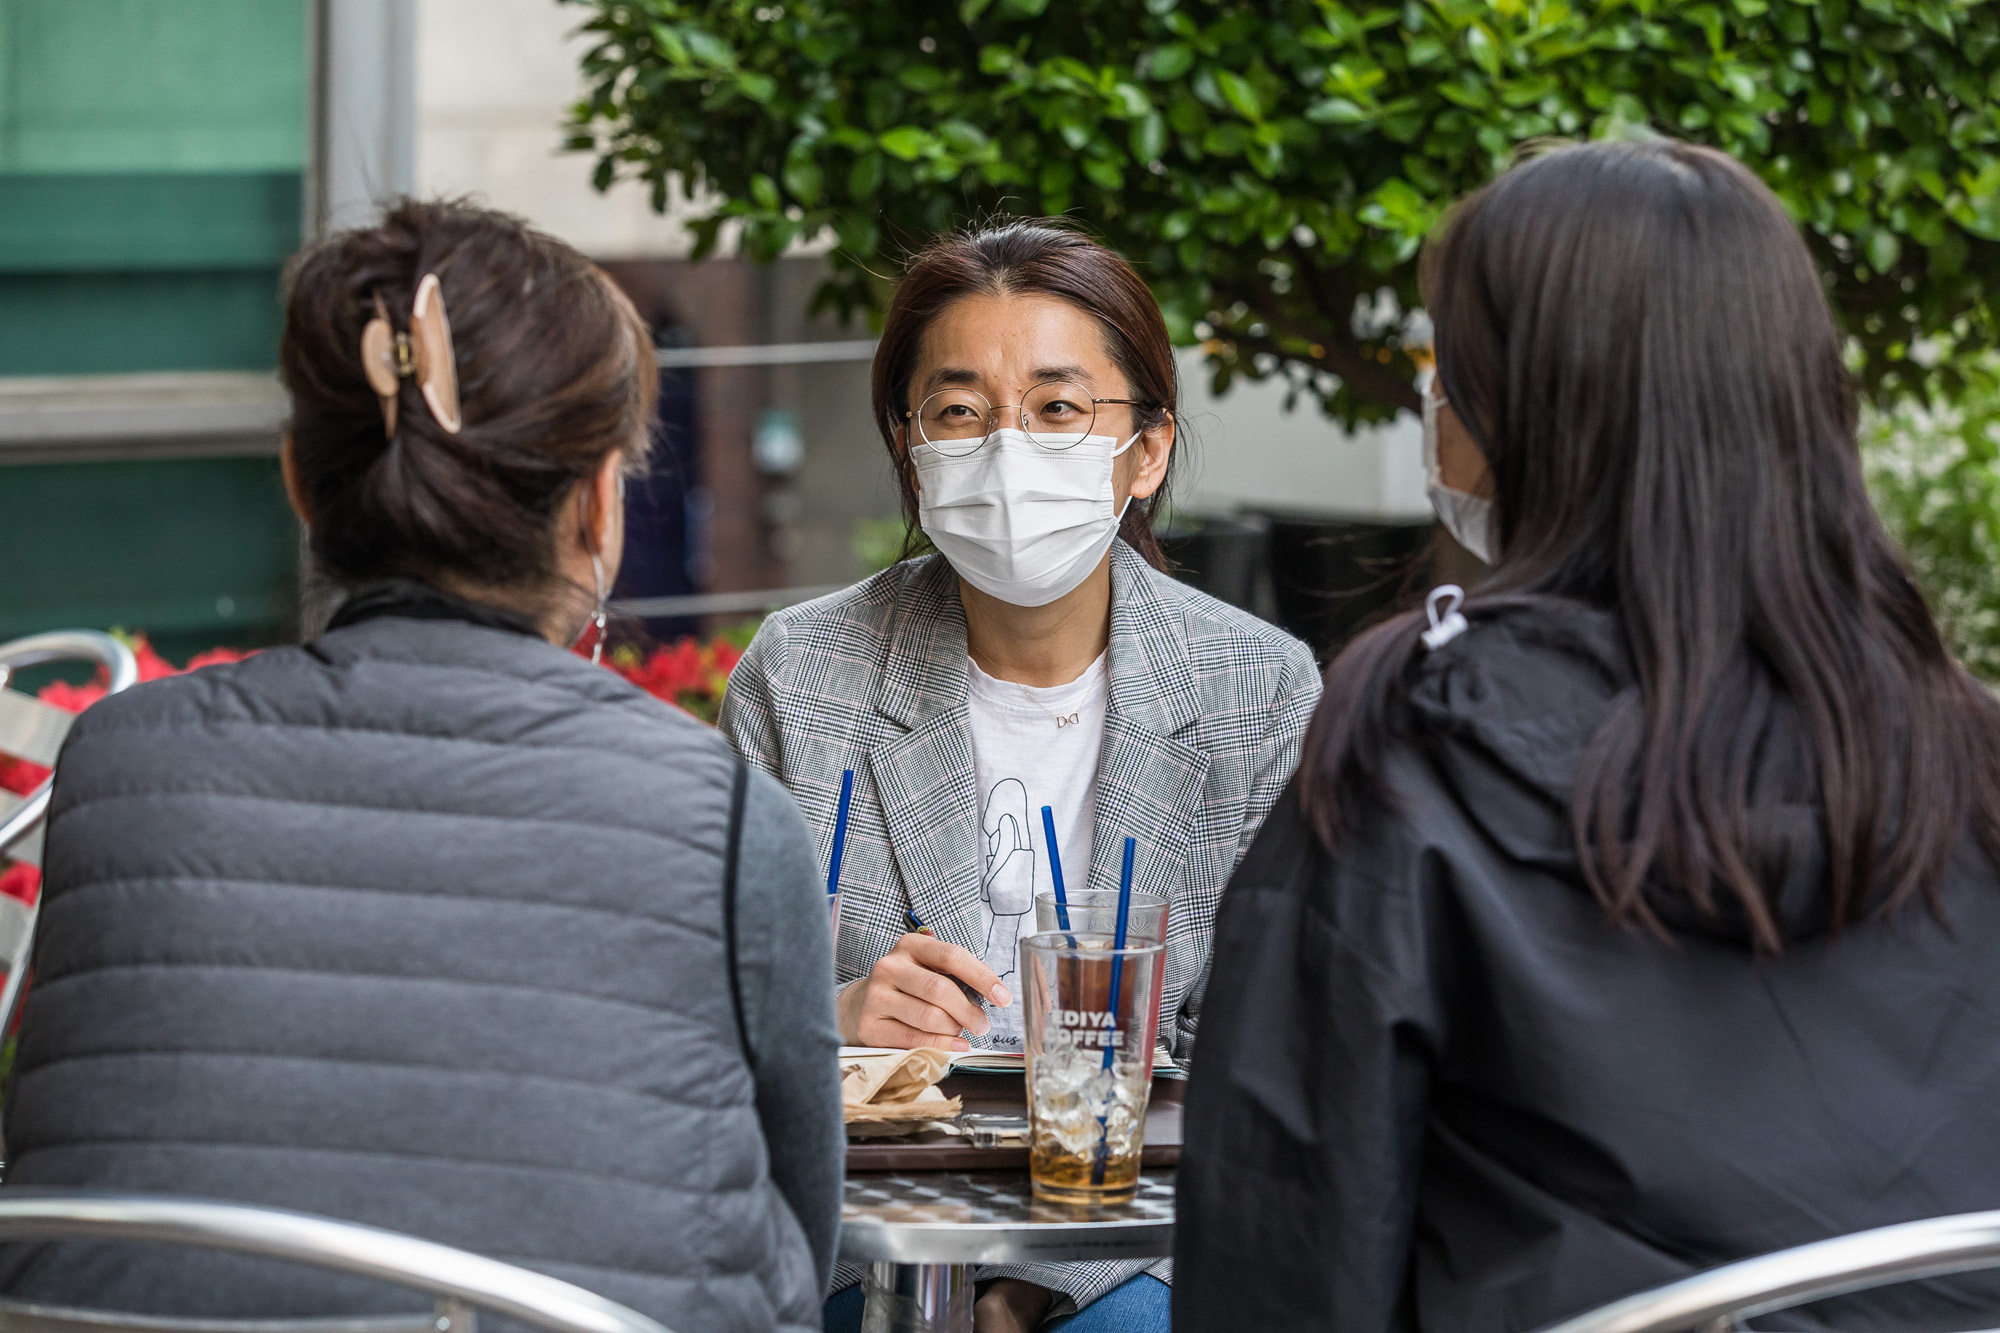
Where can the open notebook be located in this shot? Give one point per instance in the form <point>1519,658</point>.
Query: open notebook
<point>1006,1062</point>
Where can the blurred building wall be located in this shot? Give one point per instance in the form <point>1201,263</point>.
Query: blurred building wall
<point>494,80</point>
<point>1247,450</point>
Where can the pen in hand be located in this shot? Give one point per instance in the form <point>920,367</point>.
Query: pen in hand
<point>970,994</point>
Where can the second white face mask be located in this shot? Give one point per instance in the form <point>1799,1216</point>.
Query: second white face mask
<point>1468,518</point>
<point>1020,522</point>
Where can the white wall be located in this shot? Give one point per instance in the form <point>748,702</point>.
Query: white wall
<point>495,79</point>
<point>1248,451</point>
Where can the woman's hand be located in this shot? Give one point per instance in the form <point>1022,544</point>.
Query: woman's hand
<point>1009,1305</point>
<point>912,997</point>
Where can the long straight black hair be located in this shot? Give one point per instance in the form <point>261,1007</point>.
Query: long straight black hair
<point>1636,338</point>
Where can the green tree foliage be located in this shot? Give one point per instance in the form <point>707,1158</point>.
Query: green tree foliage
<point>1934,473</point>
<point>1274,165</point>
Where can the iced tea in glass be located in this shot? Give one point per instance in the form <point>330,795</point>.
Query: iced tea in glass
<point>1090,1028</point>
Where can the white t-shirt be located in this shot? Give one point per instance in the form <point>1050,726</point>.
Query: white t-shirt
<point>1031,747</point>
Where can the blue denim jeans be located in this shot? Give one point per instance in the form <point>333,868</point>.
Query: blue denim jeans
<point>1142,1305</point>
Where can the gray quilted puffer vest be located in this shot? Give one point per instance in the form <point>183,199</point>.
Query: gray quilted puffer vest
<point>420,925</point>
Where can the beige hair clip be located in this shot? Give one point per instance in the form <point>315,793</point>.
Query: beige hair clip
<point>388,357</point>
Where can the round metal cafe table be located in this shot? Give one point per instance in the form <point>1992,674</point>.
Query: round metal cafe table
<point>921,1233</point>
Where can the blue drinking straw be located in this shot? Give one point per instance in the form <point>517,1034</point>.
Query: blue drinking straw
<point>1055,866</point>
<point>839,846</point>
<point>1117,977</point>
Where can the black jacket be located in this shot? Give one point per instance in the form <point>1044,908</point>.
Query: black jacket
<point>424,925</point>
<point>1437,1089</point>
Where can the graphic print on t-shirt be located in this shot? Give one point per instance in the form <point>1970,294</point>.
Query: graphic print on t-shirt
<point>1032,746</point>
<point>1007,885</point>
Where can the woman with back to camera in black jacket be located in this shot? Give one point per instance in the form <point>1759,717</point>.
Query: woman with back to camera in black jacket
<point>1650,922</point>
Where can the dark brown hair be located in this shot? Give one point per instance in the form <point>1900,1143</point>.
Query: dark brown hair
<point>555,372</point>
<point>1038,258</point>
<point>1637,340</point>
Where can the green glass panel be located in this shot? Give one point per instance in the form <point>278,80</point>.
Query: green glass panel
<point>153,85</point>
<point>107,323</point>
<point>151,153</point>
<point>76,223</point>
<point>202,550</point>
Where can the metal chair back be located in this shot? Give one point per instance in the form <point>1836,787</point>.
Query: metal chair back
<point>457,1282</point>
<point>34,731</point>
<point>1718,1300</point>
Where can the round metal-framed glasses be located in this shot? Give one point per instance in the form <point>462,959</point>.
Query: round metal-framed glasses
<point>1055,414</point>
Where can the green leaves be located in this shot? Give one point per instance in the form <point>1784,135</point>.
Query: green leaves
<point>1336,111</point>
<point>1168,62</point>
<point>1484,49</point>
<point>1934,474</point>
<point>1236,90</point>
<point>706,47</point>
<point>907,142</point>
<point>804,178</point>
<point>1149,137</point>
<point>1269,162</point>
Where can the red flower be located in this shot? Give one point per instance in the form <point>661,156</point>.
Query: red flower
<point>152,666</point>
<point>21,880</point>
<point>73,698</point>
<point>687,673</point>
<point>19,776</point>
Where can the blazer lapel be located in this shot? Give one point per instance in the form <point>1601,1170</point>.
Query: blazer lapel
<point>1149,784</point>
<point>925,776</point>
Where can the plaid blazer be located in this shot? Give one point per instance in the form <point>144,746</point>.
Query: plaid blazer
<point>1208,706</point>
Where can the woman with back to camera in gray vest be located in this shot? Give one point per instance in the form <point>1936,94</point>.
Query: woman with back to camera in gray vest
<point>430,923</point>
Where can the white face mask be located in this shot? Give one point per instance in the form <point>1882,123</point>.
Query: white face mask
<point>1017,521</point>
<point>1468,518</point>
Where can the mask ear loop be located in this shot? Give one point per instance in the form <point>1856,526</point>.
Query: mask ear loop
<point>1430,435</point>
<point>1128,499</point>
<point>597,615</point>
<point>1114,453</point>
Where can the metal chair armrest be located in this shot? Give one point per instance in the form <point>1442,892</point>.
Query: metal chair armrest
<point>67,645</point>
<point>1716,1300</point>
<point>437,1270</point>
<point>28,1317</point>
<point>25,818</point>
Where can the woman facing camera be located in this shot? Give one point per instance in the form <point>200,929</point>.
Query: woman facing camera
<point>430,923</point>
<point>1025,389</point>
<point>1645,918</point>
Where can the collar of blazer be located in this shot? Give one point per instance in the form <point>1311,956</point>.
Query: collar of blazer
<point>1149,781</point>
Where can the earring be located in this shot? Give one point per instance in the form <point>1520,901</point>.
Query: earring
<point>597,616</point>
